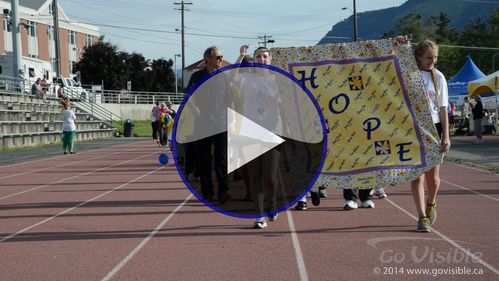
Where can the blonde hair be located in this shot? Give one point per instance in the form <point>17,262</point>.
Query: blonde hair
<point>424,46</point>
<point>419,50</point>
<point>66,104</point>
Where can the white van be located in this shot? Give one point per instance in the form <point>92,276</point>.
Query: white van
<point>31,70</point>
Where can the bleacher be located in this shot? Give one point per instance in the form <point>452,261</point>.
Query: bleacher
<point>28,121</point>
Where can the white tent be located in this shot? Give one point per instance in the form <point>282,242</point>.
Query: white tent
<point>487,84</point>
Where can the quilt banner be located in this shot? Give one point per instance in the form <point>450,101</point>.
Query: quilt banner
<point>380,130</point>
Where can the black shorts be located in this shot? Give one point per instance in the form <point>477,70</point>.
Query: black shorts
<point>439,129</point>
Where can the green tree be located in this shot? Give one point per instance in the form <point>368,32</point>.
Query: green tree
<point>135,65</point>
<point>412,25</point>
<point>101,62</point>
<point>162,76</point>
<point>484,34</point>
<point>443,30</point>
<point>104,62</point>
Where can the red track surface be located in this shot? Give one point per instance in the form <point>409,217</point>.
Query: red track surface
<point>116,214</point>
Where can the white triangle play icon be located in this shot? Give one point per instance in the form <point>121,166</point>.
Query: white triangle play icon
<point>246,140</point>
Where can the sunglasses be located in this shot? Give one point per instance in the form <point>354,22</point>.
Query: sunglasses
<point>219,57</point>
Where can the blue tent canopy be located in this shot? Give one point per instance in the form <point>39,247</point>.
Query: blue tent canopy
<point>458,85</point>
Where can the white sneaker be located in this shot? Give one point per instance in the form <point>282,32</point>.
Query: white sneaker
<point>273,217</point>
<point>380,193</point>
<point>260,223</point>
<point>367,204</point>
<point>350,205</point>
<point>322,193</point>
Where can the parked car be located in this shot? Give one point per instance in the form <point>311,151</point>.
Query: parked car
<point>72,89</point>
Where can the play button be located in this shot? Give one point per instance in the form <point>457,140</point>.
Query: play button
<point>246,140</point>
<point>249,141</point>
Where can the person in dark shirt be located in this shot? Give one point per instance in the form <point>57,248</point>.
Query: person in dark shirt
<point>213,59</point>
<point>477,118</point>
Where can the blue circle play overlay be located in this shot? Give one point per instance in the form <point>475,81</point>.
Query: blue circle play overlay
<point>249,140</point>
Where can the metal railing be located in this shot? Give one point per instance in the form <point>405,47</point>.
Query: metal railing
<point>81,98</point>
<point>98,111</point>
<point>11,84</point>
<point>133,97</point>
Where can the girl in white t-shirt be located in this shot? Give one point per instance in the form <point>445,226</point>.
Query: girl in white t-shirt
<point>68,127</point>
<point>426,53</point>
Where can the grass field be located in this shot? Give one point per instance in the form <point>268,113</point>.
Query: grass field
<point>141,128</point>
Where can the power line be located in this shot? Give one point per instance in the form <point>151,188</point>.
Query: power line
<point>273,16</point>
<point>480,1</point>
<point>469,47</point>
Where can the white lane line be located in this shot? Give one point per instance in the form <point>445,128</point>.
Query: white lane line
<point>60,156</point>
<point>57,166</point>
<point>471,168</point>
<point>139,247</point>
<point>450,241</point>
<point>77,206</point>
<point>73,177</point>
<point>471,190</point>
<point>296,245</point>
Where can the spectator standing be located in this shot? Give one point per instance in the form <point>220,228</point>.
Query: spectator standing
<point>157,122</point>
<point>68,128</point>
<point>452,114</point>
<point>466,114</point>
<point>153,124</point>
<point>45,86</point>
<point>478,115</point>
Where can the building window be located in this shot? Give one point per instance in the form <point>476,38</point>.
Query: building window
<point>72,37</point>
<point>7,26</point>
<point>71,65</point>
<point>33,29</point>
<point>53,62</point>
<point>33,39</point>
<point>51,33</point>
<point>7,35</point>
<point>88,41</point>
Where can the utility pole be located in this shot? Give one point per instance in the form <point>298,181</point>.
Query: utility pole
<point>175,72</point>
<point>354,12</point>
<point>182,9</point>
<point>16,37</point>
<point>55,12</point>
<point>266,39</point>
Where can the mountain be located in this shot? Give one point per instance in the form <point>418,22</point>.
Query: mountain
<point>373,24</point>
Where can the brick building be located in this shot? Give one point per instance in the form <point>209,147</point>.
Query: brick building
<point>37,36</point>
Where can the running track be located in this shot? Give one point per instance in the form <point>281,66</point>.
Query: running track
<point>116,214</point>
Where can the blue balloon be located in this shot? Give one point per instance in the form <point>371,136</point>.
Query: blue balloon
<point>163,159</point>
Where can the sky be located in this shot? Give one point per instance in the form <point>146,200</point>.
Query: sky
<point>149,26</point>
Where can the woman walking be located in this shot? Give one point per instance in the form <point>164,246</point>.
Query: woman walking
<point>426,53</point>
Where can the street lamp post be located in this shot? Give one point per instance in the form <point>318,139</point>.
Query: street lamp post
<point>494,62</point>
<point>355,29</point>
<point>175,71</point>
